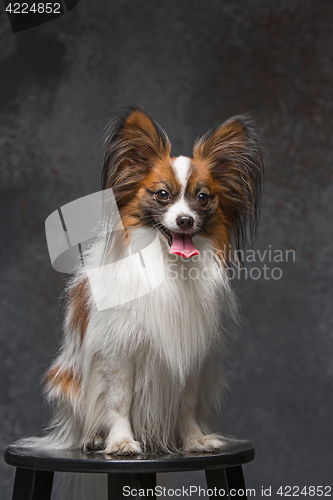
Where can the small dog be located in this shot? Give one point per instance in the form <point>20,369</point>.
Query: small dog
<point>146,376</point>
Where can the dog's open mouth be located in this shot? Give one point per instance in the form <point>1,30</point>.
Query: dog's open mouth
<point>180,243</point>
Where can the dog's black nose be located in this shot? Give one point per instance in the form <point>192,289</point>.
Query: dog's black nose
<point>185,221</point>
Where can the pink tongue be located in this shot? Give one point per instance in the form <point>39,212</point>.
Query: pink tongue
<point>182,245</point>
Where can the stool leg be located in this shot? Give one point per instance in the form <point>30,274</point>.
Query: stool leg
<point>32,484</point>
<point>147,481</point>
<point>228,479</point>
<point>236,481</point>
<point>116,483</point>
<point>217,478</point>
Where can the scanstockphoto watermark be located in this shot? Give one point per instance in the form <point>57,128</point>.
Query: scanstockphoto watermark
<point>162,491</point>
<point>250,264</point>
<point>260,264</point>
<point>71,229</point>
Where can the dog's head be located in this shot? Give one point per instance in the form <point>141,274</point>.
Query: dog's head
<point>215,194</point>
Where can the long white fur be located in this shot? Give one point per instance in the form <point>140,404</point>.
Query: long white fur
<point>148,369</point>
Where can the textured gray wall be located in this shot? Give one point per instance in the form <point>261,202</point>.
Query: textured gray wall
<point>192,64</point>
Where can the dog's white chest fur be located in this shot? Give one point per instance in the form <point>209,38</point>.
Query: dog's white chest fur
<point>179,320</point>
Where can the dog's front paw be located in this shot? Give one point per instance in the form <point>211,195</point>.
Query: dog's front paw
<point>124,446</point>
<point>209,443</point>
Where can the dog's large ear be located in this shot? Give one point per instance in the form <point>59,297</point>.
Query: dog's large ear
<point>233,154</point>
<point>133,144</point>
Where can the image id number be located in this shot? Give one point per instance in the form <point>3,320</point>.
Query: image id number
<point>35,8</point>
<point>306,491</point>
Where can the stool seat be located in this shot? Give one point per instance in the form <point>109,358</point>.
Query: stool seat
<point>79,461</point>
<point>35,468</point>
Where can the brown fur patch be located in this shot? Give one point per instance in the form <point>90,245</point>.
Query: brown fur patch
<point>78,308</point>
<point>64,380</point>
<point>230,138</point>
<point>139,122</point>
<point>232,154</point>
<point>134,145</point>
<point>161,176</point>
<point>216,226</point>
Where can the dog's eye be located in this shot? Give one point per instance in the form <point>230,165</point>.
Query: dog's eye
<point>202,198</point>
<point>162,195</point>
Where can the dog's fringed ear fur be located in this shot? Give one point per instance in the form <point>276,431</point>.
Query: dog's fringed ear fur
<point>133,143</point>
<point>233,153</point>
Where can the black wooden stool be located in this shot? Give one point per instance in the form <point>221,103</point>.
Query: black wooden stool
<point>35,469</point>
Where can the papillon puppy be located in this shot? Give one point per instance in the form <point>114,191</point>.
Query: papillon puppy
<point>143,374</point>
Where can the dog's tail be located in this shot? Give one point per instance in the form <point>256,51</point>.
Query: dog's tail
<point>67,485</point>
<point>48,442</point>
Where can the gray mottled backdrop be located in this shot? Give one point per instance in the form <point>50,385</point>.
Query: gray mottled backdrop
<point>192,64</point>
